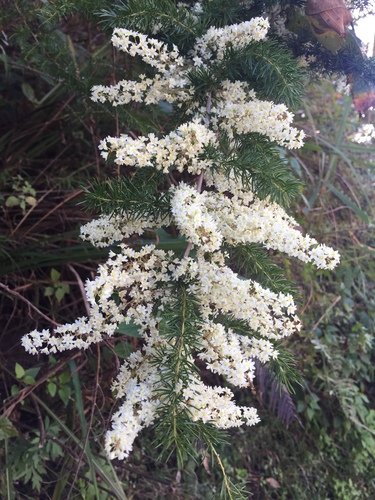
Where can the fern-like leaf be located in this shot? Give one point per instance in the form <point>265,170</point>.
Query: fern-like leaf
<point>252,261</point>
<point>136,198</point>
<point>257,163</point>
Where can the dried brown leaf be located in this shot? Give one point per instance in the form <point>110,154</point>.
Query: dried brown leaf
<point>330,14</point>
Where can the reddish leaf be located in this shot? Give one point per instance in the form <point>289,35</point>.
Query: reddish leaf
<point>363,94</point>
<point>363,102</point>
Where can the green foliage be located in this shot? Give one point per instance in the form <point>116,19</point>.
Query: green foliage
<point>257,162</point>
<point>342,56</point>
<point>336,358</point>
<point>174,429</point>
<point>24,195</point>
<point>253,261</point>
<point>57,289</point>
<point>27,458</point>
<point>136,197</point>
<point>143,15</point>
<point>269,70</point>
<point>7,429</point>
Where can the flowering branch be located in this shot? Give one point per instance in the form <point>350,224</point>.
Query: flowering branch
<point>193,308</point>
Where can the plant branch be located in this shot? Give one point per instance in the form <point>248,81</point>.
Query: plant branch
<point>19,296</point>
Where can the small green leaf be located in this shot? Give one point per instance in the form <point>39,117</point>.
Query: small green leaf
<point>131,329</point>
<point>52,388</point>
<point>14,390</point>
<point>29,93</point>
<point>19,371</point>
<point>310,413</point>
<point>49,290</point>
<point>64,377</point>
<point>64,394</point>
<point>29,380</point>
<point>30,200</point>
<point>55,275</point>
<point>312,147</point>
<point>33,372</point>
<point>59,294</point>
<point>12,201</point>
<point>123,350</point>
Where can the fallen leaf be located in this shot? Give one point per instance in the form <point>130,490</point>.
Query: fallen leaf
<point>272,482</point>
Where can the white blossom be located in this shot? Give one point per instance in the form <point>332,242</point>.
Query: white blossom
<point>365,134</point>
<point>216,40</point>
<point>106,230</point>
<point>180,150</point>
<point>135,286</point>
<point>238,110</point>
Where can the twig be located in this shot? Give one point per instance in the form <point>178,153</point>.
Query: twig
<point>309,299</point>
<point>172,179</point>
<point>337,299</point>
<point>225,477</point>
<point>70,197</point>
<point>19,296</point>
<point>187,251</point>
<point>29,212</point>
<point>81,287</point>
<point>31,388</point>
<point>42,432</point>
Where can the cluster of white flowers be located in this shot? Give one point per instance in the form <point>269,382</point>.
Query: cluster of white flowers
<point>231,355</point>
<point>181,149</point>
<point>152,51</point>
<point>106,230</point>
<point>136,382</point>
<point>365,134</point>
<point>220,290</point>
<point>266,223</point>
<point>167,85</point>
<point>148,90</point>
<point>171,83</point>
<point>238,110</point>
<point>342,85</point>
<point>136,286</point>
<point>216,41</point>
<point>192,218</point>
<point>209,218</point>
<point>216,405</point>
<point>137,278</point>
<point>129,276</point>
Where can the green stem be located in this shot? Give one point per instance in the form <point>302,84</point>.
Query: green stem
<point>225,477</point>
<point>333,161</point>
<point>178,367</point>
